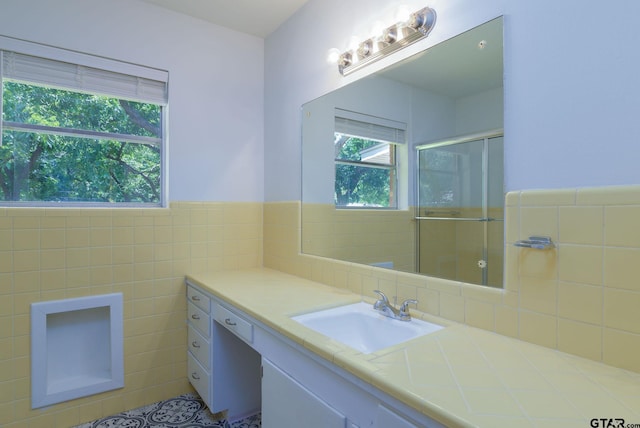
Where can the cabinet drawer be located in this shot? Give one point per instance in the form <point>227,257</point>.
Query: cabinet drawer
<point>198,377</point>
<point>198,318</point>
<point>241,327</point>
<point>199,347</point>
<point>199,299</point>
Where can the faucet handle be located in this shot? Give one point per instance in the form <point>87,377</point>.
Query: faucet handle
<point>404,308</point>
<point>382,301</point>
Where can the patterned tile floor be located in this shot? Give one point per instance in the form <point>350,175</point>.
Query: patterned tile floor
<point>184,411</point>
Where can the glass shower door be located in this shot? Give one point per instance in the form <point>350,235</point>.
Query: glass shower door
<point>460,209</point>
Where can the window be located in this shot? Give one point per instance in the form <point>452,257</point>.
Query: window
<point>77,134</point>
<point>366,161</point>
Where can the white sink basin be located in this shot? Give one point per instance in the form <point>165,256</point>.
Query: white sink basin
<point>359,326</point>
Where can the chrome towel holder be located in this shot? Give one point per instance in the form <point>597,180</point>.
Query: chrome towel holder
<point>536,242</point>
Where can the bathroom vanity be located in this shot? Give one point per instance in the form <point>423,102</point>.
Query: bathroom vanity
<point>240,365</point>
<point>217,359</point>
<point>257,357</point>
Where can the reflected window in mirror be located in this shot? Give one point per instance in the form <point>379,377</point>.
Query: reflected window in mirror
<point>365,173</point>
<point>365,151</point>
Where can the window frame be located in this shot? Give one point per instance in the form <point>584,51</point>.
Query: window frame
<point>110,67</point>
<point>375,129</point>
<point>391,167</point>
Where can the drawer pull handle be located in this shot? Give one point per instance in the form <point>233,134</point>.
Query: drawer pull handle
<point>195,298</point>
<point>228,321</point>
<point>195,316</point>
<point>195,344</point>
<point>195,376</point>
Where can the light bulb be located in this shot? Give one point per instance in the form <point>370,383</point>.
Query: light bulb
<point>377,29</point>
<point>333,55</point>
<point>345,60</point>
<point>354,43</point>
<point>365,49</point>
<point>402,14</point>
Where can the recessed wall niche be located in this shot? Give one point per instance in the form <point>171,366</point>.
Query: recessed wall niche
<point>76,348</point>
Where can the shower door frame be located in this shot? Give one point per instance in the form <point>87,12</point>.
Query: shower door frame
<point>485,219</point>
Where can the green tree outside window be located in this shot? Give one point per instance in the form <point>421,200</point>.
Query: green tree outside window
<point>44,155</point>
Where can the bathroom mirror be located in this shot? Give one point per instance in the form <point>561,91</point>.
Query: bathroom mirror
<point>403,169</point>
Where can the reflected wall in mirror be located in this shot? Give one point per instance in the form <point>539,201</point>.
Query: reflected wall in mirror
<point>403,169</point>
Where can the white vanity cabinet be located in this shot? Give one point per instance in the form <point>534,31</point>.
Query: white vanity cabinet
<point>222,368</point>
<point>295,387</point>
<point>297,384</point>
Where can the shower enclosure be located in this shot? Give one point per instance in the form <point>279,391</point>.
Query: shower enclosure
<point>460,212</point>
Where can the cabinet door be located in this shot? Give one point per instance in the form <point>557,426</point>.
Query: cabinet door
<point>387,418</point>
<point>286,403</point>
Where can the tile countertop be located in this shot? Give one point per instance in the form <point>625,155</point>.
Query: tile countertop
<point>460,375</point>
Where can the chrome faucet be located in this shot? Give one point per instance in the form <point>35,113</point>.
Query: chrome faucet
<point>383,306</point>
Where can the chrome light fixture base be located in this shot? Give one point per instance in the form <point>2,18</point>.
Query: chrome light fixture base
<point>393,38</point>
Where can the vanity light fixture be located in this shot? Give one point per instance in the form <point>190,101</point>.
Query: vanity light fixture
<point>404,33</point>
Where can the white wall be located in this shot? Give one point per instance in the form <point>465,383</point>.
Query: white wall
<point>571,97</point>
<point>216,102</point>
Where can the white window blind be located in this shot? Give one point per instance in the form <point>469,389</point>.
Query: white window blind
<point>369,127</point>
<point>64,75</point>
